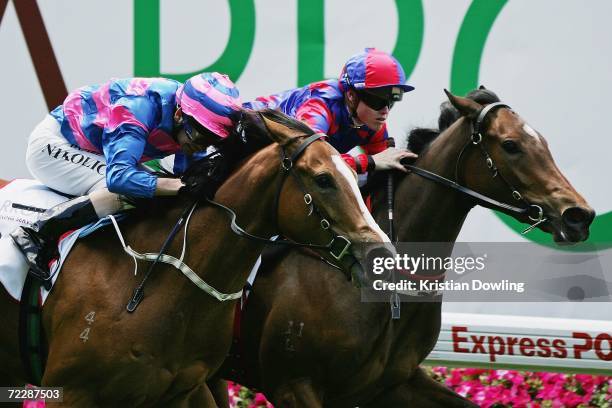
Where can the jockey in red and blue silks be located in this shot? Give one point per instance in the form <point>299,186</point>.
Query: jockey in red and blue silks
<point>93,144</point>
<point>351,110</point>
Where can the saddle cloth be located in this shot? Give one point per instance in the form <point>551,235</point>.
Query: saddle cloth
<point>13,266</point>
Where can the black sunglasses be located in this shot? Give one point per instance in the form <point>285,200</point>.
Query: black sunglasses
<point>375,102</point>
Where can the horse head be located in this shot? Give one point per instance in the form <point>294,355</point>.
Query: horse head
<point>310,194</point>
<point>498,155</point>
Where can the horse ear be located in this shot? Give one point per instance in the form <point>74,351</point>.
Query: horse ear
<point>465,106</point>
<point>481,87</point>
<point>279,133</point>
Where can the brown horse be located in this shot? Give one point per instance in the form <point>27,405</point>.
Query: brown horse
<point>311,342</point>
<point>162,354</point>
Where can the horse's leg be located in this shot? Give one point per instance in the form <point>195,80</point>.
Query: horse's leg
<point>218,387</point>
<point>420,390</point>
<point>296,394</point>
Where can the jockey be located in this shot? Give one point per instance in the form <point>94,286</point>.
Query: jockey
<point>353,110</point>
<point>93,144</point>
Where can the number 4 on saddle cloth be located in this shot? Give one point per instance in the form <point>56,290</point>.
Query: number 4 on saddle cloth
<point>21,203</point>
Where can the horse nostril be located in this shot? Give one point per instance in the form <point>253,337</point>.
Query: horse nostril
<point>578,217</point>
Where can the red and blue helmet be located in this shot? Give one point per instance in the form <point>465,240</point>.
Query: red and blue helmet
<point>373,69</point>
<point>212,100</point>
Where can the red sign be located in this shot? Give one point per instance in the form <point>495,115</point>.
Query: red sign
<point>530,346</point>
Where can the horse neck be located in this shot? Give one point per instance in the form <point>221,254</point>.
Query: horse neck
<point>425,211</point>
<point>250,193</point>
<point>214,251</point>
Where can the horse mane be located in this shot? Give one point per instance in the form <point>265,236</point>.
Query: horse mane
<point>420,138</point>
<point>292,123</point>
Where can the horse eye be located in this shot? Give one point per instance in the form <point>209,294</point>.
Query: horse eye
<point>510,147</point>
<point>324,181</point>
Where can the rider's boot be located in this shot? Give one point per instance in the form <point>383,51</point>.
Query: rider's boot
<point>39,243</point>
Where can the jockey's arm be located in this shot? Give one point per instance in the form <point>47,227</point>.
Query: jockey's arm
<point>124,143</point>
<point>123,149</point>
<point>382,157</point>
<point>123,176</point>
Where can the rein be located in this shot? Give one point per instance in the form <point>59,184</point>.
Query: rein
<point>241,232</point>
<point>480,198</point>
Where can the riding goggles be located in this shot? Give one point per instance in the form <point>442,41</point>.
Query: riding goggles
<point>377,99</point>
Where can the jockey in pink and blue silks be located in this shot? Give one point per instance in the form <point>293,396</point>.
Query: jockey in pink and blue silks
<point>351,110</point>
<point>93,144</point>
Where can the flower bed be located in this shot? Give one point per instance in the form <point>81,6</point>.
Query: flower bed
<point>509,388</point>
<point>496,389</point>
<point>487,388</point>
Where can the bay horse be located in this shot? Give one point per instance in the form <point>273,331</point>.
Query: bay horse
<point>162,353</point>
<point>310,342</point>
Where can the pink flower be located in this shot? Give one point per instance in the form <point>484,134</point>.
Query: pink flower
<point>474,372</point>
<point>260,400</point>
<point>440,370</point>
<point>550,391</point>
<point>571,400</point>
<point>454,379</point>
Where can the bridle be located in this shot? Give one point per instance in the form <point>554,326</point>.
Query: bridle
<point>339,245</point>
<point>534,212</point>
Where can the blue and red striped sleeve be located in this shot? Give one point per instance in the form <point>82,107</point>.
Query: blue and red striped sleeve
<point>315,113</point>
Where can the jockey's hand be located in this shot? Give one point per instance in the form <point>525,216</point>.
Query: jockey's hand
<point>390,159</point>
<point>168,186</point>
<point>205,176</point>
